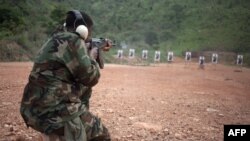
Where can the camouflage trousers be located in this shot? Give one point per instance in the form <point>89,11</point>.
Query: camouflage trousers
<point>49,116</point>
<point>94,128</point>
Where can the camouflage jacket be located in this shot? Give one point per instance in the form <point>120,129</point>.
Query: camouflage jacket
<point>59,84</point>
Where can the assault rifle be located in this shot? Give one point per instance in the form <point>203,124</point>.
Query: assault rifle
<point>100,44</point>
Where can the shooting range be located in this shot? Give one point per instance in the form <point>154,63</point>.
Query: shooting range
<point>149,70</point>
<point>131,53</point>
<point>157,57</point>
<point>170,56</point>
<point>144,54</point>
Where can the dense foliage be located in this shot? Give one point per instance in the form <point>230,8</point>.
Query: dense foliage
<point>215,25</point>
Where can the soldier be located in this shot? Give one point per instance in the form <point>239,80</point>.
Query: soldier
<point>56,98</point>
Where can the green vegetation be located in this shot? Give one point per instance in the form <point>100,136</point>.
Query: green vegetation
<point>197,25</point>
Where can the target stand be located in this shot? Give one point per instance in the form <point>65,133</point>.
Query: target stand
<point>214,60</point>
<point>144,54</point>
<point>120,56</point>
<point>239,62</point>
<point>170,57</point>
<point>188,56</point>
<point>157,57</point>
<point>144,57</point>
<point>131,53</point>
<point>202,62</point>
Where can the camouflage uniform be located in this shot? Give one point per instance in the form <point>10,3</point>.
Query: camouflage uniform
<point>57,94</point>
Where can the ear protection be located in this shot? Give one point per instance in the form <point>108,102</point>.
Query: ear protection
<point>82,30</point>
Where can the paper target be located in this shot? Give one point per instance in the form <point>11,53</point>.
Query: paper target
<point>170,56</point>
<point>239,59</point>
<point>144,54</point>
<point>201,60</point>
<point>157,56</point>
<point>131,53</point>
<point>188,56</point>
<point>215,58</point>
<point>120,54</point>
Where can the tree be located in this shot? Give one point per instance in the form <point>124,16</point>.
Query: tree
<point>151,38</point>
<point>11,21</point>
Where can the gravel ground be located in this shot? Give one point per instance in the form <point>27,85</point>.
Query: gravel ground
<point>158,102</point>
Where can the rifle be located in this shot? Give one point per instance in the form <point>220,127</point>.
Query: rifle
<point>100,44</point>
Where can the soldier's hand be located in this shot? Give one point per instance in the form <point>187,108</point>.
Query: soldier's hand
<point>108,45</point>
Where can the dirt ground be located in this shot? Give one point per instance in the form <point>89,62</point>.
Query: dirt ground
<point>159,102</point>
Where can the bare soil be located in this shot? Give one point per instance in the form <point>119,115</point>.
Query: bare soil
<point>146,103</point>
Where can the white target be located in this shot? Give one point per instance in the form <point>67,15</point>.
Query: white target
<point>120,54</point>
<point>201,60</point>
<point>157,56</point>
<point>239,60</point>
<point>188,56</point>
<point>170,56</point>
<point>215,58</point>
<point>144,54</point>
<point>131,53</point>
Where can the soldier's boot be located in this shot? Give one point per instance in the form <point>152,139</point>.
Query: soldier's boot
<point>51,137</point>
<point>104,137</point>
